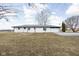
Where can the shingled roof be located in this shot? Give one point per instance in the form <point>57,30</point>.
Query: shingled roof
<point>36,26</point>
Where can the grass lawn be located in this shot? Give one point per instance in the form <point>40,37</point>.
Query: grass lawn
<point>38,44</point>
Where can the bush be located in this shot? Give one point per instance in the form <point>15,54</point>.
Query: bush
<point>63,27</point>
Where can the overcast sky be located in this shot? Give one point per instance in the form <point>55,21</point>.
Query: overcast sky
<point>26,15</point>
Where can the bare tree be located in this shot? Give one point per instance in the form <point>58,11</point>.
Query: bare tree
<point>43,14</point>
<point>4,11</point>
<point>34,5</point>
<point>72,23</point>
<point>42,17</point>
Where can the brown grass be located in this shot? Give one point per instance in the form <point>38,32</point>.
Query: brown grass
<point>38,44</point>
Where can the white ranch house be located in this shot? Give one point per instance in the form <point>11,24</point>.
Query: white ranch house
<point>36,28</point>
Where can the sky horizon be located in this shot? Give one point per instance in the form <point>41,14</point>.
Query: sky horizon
<point>26,14</point>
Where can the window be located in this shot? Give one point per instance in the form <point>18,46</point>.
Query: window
<point>44,29</point>
<point>18,28</point>
<point>34,28</point>
<point>24,27</point>
<point>28,28</point>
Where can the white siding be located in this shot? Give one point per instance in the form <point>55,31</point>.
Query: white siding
<point>20,30</point>
<point>37,30</point>
<point>31,30</point>
<point>48,29</point>
<point>16,30</point>
<point>25,30</point>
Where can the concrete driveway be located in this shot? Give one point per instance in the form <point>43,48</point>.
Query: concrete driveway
<point>67,33</point>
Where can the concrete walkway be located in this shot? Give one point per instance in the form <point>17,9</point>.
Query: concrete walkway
<point>67,34</point>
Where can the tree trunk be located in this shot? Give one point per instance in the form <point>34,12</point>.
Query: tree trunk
<point>73,30</point>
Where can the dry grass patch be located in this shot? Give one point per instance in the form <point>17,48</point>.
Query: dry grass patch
<point>35,44</point>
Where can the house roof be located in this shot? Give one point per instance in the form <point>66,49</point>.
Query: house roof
<point>36,26</point>
<point>8,30</point>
